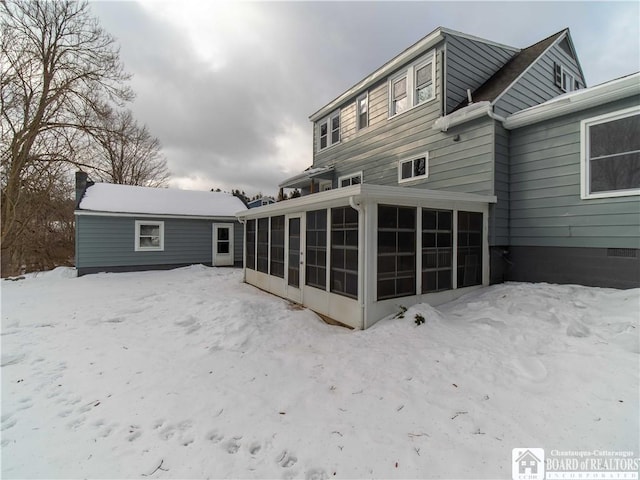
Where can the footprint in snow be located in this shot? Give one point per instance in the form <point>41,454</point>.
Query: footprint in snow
<point>8,423</point>
<point>215,436</point>
<point>254,448</point>
<point>316,474</point>
<point>286,459</point>
<point>232,446</point>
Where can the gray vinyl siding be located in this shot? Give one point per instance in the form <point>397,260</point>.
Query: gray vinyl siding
<point>463,166</point>
<point>499,231</point>
<point>105,241</point>
<point>537,84</point>
<point>469,64</point>
<point>545,204</point>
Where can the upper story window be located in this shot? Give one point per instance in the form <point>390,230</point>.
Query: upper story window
<point>413,168</point>
<point>362,107</point>
<point>413,86</point>
<point>610,154</point>
<point>149,236</point>
<point>329,130</point>
<point>564,79</point>
<point>351,179</point>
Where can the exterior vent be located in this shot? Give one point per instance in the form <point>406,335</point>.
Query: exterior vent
<point>622,252</point>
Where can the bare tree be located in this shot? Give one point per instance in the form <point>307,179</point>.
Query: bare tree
<point>58,69</point>
<point>127,153</point>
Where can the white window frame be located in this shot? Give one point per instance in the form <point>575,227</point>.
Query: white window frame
<point>136,240</point>
<point>365,97</point>
<point>568,80</point>
<point>425,155</point>
<point>585,177</point>
<point>565,80</point>
<point>324,185</point>
<point>410,74</point>
<point>328,120</point>
<point>349,177</point>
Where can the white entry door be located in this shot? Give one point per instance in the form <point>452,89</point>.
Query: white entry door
<point>222,244</point>
<point>294,256</point>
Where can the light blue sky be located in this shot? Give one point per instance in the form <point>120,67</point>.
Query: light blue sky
<point>228,87</point>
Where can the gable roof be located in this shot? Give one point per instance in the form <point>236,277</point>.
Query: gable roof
<point>500,81</point>
<point>107,197</point>
<point>421,46</point>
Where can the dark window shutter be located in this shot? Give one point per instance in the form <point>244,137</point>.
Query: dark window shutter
<point>557,69</point>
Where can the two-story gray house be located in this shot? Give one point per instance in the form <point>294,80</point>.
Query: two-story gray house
<point>457,163</point>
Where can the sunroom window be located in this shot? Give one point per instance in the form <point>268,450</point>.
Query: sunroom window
<point>396,251</point>
<point>251,244</point>
<point>437,250</point>
<point>611,154</point>
<point>344,251</point>
<point>263,245</point>
<point>316,272</point>
<point>277,246</point>
<point>469,249</point>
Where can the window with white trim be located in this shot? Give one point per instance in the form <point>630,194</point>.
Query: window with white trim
<point>362,111</point>
<point>149,236</point>
<point>413,168</point>
<point>413,86</point>
<point>329,131</point>
<point>564,79</point>
<point>610,151</point>
<point>351,179</point>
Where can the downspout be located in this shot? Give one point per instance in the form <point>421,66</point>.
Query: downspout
<point>361,257</point>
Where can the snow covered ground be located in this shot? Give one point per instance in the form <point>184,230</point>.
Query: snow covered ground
<point>194,372</point>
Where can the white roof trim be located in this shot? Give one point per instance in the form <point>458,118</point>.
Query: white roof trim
<point>91,213</point>
<point>530,66</point>
<point>478,39</point>
<point>416,49</point>
<point>306,175</point>
<point>362,191</point>
<point>575,101</point>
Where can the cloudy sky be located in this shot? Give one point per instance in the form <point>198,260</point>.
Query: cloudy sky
<point>228,87</point>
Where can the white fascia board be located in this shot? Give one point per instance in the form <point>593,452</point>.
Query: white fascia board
<point>478,39</point>
<point>415,50</point>
<point>576,101</point>
<point>360,192</point>
<point>92,213</point>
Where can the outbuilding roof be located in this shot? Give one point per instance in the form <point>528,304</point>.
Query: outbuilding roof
<point>107,197</point>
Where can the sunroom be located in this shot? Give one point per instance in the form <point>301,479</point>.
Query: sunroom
<point>357,254</point>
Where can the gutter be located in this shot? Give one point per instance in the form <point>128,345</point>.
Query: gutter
<point>466,114</point>
<point>361,259</point>
<point>575,101</point>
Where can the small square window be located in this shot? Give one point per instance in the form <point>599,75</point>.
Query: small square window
<point>413,168</point>
<point>149,236</point>
<point>351,179</point>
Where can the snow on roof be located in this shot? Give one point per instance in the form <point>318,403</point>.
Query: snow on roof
<point>107,197</point>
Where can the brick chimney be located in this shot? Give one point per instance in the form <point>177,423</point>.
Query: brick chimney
<point>82,183</point>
